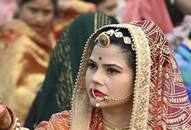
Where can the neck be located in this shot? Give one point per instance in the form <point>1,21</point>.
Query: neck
<point>118,116</point>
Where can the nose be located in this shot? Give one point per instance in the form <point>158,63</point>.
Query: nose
<point>39,18</point>
<point>98,77</point>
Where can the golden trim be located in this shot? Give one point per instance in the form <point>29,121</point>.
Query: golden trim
<point>140,112</point>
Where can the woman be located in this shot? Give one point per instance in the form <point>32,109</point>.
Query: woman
<point>26,44</point>
<point>56,92</point>
<point>128,79</point>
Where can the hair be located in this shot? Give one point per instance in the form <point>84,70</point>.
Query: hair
<point>54,2</point>
<point>126,48</point>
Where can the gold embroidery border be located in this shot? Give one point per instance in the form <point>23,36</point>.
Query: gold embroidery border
<point>140,112</point>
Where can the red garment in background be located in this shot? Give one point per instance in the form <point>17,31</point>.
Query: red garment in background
<point>154,10</point>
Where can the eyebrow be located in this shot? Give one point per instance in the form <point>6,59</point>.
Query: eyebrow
<point>36,6</point>
<point>107,65</point>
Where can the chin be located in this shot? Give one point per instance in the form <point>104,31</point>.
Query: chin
<point>102,104</point>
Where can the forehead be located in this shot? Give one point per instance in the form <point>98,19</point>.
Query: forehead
<point>112,53</point>
<point>40,3</point>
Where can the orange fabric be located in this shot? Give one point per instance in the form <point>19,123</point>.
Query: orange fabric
<point>58,121</point>
<point>154,10</point>
<point>24,57</point>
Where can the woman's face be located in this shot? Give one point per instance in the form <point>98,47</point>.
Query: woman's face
<point>108,74</point>
<point>38,14</point>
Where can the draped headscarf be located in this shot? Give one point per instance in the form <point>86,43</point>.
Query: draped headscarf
<point>160,99</point>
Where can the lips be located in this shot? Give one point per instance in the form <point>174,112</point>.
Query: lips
<point>97,93</point>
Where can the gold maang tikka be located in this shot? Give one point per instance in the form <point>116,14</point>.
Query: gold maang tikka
<point>104,38</point>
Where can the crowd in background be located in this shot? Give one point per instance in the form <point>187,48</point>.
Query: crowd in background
<point>30,29</point>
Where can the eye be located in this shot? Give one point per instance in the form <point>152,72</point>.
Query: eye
<point>92,66</point>
<point>47,12</point>
<point>34,10</point>
<point>112,71</point>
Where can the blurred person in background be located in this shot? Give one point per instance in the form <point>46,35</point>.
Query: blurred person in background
<point>7,10</point>
<point>25,47</point>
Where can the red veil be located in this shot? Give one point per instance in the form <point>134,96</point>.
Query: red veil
<point>168,104</point>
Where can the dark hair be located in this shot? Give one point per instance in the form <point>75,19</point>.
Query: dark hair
<point>126,48</point>
<point>54,2</point>
<point>97,2</point>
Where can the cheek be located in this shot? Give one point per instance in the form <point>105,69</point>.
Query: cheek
<point>48,19</point>
<point>87,79</point>
<point>122,86</point>
<point>27,16</point>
